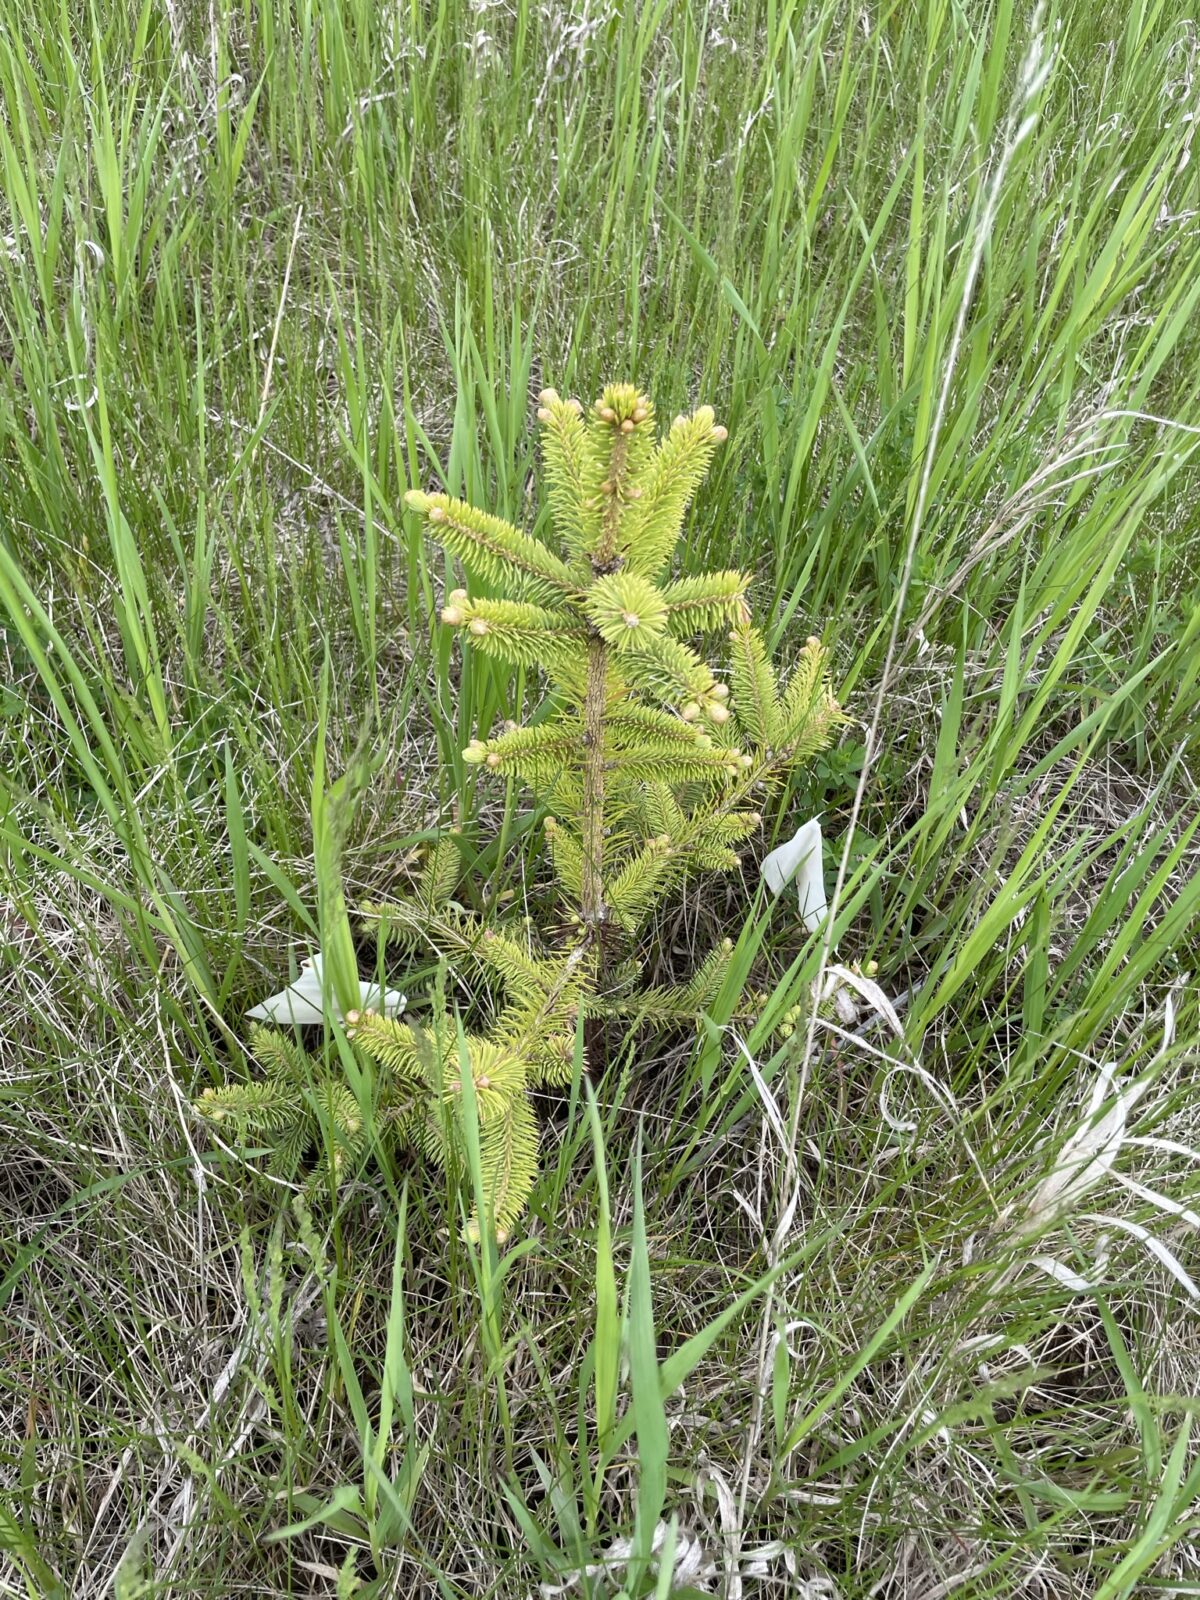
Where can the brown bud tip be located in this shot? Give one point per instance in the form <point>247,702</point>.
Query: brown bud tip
<point>547,397</point>
<point>575,406</point>
<point>640,413</point>
<point>477,626</point>
<point>606,487</point>
<point>457,596</point>
<point>492,760</point>
<point>627,425</point>
<point>352,1018</point>
<point>452,616</point>
<point>690,712</point>
<point>720,434</point>
<point>544,415</point>
<point>718,712</point>
<point>437,513</point>
<point>510,726</point>
<point>607,414</point>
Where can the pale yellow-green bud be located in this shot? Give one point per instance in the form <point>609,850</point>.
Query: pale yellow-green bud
<point>510,726</point>
<point>720,691</point>
<point>551,826</point>
<point>437,514</point>
<point>727,945</point>
<point>755,819</point>
<point>452,616</point>
<point>635,493</point>
<point>544,415</point>
<point>548,397</point>
<point>706,416</point>
<point>813,642</point>
<point>478,626</point>
<point>415,500</point>
<point>492,760</point>
<point>627,425</point>
<point>475,753</point>
<point>746,761</point>
<point>457,596</point>
<point>575,406</point>
<point>720,434</point>
<point>718,713</point>
<point>690,712</point>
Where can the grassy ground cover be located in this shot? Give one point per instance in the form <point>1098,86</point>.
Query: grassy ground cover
<point>870,1311</point>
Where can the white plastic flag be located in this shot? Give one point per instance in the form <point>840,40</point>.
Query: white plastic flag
<point>800,859</point>
<point>301,1002</point>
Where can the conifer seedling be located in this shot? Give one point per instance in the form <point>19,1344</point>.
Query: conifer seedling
<point>645,765</point>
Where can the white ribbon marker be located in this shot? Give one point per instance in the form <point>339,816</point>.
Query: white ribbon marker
<point>301,1002</point>
<point>800,858</point>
